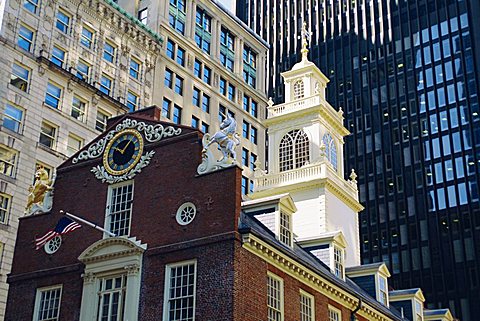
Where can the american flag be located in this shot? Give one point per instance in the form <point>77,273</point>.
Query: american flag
<point>64,226</point>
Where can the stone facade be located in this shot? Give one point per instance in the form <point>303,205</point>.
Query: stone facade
<point>69,65</point>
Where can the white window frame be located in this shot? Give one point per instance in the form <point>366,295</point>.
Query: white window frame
<point>86,41</point>
<point>108,209</point>
<point>20,76</point>
<point>293,150</point>
<point>108,89</point>
<point>334,314</point>
<point>298,89</point>
<point>34,3</point>
<point>108,53</point>
<point>5,204</point>
<point>271,308</point>
<point>307,312</point>
<point>418,315</point>
<point>30,41</point>
<point>167,298</point>
<point>102,293</point>
<point>80,110</point>
<point>58,98</point>
<point>285,228</point>
<point>62,61</point>
<point>78,144</point>
<point>52,138</point>
<point>38,302</point>
<point>135,69</point>
<point>380,292</point>
<point>8,165</point>
<point>133,104</point>
<point>85,76</point>
<point>339,261</point>
<point>18,122</point>
<point>103,121</point>
<point>58,21</point>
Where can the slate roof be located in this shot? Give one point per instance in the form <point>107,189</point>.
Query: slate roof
<point>249,224</point>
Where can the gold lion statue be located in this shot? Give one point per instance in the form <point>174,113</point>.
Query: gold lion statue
<point>38,191</point>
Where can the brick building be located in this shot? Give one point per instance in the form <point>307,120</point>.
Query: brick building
<point>68,65</point>
<point>187,247</point>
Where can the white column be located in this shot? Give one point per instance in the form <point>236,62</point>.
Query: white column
<point>89,297</point>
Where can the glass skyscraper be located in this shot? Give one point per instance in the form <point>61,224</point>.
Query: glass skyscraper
<point>406,74</point>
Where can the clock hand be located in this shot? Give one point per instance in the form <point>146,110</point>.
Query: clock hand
<point>125,148</point>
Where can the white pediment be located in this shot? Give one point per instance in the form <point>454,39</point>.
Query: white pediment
<point>110,248</point>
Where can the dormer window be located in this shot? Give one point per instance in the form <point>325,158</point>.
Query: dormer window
<point>294,150</point>
<point>298,90</point>
<point>339,262</point>
<point>330,150</point>
<point>418,311</point>
<point>285,234</point>
<point>382,290</point>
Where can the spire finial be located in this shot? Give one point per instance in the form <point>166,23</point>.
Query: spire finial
<point>305,40</point>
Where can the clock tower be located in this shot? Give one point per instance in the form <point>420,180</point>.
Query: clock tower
<point>305,153</point>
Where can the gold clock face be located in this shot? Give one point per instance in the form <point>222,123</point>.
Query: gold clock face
<point>123,152</point>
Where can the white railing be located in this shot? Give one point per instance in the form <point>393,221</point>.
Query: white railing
<point>292,106</point>
<point>289,177</point>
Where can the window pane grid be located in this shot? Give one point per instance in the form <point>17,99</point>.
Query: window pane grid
<point>285,234</point>
<point>4,206</point>
<point>13,118</point>
<point>306,308</point>
<point>111,297</point>
<point>181,293</point>
<point>294,150</point>
<point>120,209</point>
<point>49,305</point>
<point>274,299</point>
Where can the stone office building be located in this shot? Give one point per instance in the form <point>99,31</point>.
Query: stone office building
<point>68,66</point>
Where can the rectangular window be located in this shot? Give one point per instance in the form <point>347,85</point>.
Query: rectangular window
<point>8,161</point>
<point>83,70</point>
<point>223,86</point>
<point>307,307</point>
<point>132,101</point>
<point>231,92</point>
<point>166,107</point>
<point>249,66</point>
<point>227,53</point>
<point>101,120</point>
<point>181,56</point>
<point>177,114</point>
<point>207,72</point>
<point>253,160</point>
<point>245,129</point>
<point>48,135</point>
<point>176,17</point>
<point>382,290</point>
<point>179,85</point>
<point>168,78</point>
<point>196,97</point>
<point>108,52</point>
<point>25,38</point>
<point>105,85</point>
<point>170,49</point>
<point>58,56</point>
<point>53,95</point>
<point>143,15</point>
<point>334,314</point>
<point>197,69</point>
<point>180,288</point>
<point>63,21</point>
<point>204,128</point>
<point>31,5</point>
<point>87,37</point>
<point>4,210</point>
<point>73,144</point>
<point>205,103</point>
<point>253,135</point>
<point>13,118</point>
<point>47,304</point>
<point>134,68</point>
<point>203,36</point>
<point>274,298</point>
<point>244,185</point>
<point>19,77</point>
<point>195,122</point>
<point>285,234</point>
<point>78,109</point>
<point>338,262</point>
<point>119,208</point>
<point>111,298</point>
<point>244,157</point>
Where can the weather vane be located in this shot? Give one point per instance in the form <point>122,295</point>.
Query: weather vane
<point>305,40</point>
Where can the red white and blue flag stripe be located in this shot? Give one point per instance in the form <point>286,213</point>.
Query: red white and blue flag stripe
<point>64,226</point>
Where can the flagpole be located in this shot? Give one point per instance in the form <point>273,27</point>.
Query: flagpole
<point>95,226</point>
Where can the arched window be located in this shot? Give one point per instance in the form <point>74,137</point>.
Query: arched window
<point>330,150</point>
<point>294,150</point>
<point>298,89</point>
